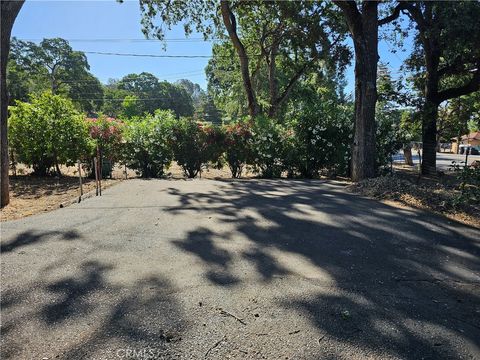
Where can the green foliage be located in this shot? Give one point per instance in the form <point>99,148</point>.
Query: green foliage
<point>207,111</point>
<point>469,177</point>
<point>322,140</point>
<point>47,132</point>
<point>388,135</point>
<point>195,145</point>
<point>237,146</point>
<point>268,147</point>
<point>130,106</point>
<point>113,99</point>
<point>148,149</point>
<point>53,65</point>
<point>153,94</point>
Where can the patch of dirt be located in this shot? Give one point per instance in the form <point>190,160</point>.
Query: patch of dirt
<point>31,195</point>
<point>406,189</point>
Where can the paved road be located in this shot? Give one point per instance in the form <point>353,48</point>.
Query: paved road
<point>444,160</point>
<point>249,270</point>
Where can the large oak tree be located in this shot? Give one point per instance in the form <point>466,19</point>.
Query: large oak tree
<point>446,60</point>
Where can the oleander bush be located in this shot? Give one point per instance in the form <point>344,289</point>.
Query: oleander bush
<point>237,146</point>
<point>195,145</point>
<point>268,147</point>
<point>320,142</point>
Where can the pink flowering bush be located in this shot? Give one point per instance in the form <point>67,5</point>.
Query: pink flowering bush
<point>195,144</point>
<point>107,133</point>
<point>237,146</point>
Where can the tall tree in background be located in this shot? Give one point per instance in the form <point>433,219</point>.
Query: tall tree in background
<point>53,65</point>
<point>259,32</point>
<point>153,94</point>
<point>446,58</point>
<point>363,24</point>
<point>52,58</point>
<point>9,11</point>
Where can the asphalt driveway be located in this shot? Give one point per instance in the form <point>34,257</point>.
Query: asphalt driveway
<point>249,269</point>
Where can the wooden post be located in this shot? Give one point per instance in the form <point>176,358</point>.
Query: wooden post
<point>80,180</point>
<point>99,171</point>
<point>467,151</point>
<point>125,171</point>
<point>96,175</point>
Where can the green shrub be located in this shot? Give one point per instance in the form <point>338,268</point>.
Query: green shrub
<point>321,141</point>
<point>147,149</point>
<point>469,179</point>
<point>195,145</point>
<point>47,132</point>
<point>237,146</point>
<point>268,147</point>
<point>389,138</point>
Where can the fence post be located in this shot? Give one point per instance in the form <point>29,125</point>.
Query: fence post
<point>96,175</point>
<point>80,180</point>
<point>99,171</point>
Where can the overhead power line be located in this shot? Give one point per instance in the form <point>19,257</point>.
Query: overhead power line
<point>149,55</point>
<point>132,40</point>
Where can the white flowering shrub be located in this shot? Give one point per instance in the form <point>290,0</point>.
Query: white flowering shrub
<point>322,141</point>
<point>268,147</point>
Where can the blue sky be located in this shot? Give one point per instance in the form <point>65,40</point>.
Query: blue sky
<point>81,21</point>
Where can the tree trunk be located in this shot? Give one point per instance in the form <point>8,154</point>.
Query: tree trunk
<point>366,58</point>
<point>429,137</point>
<point>9,11</point>
<point>364,29</point>
<point>407,154</point>
<point>231,26</point>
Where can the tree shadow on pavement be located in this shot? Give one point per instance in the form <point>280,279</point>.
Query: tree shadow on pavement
<point>406,282</point>
<point>34,237</point>
<point>86,316</point>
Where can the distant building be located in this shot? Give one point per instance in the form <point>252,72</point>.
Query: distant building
<point>472,139</point>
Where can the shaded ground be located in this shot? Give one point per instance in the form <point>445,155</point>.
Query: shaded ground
<point>247,269</point>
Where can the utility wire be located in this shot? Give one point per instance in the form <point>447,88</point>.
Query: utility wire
<point>149,55</point>
<point>133,40</point>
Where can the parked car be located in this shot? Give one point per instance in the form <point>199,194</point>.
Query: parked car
<point>473,150</point>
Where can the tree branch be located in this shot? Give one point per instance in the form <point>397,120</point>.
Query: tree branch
<point>278,101</point>
<point>231,26</point>
<point>352,15</point>
<point>472,86</point>
<point>394,15</point>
